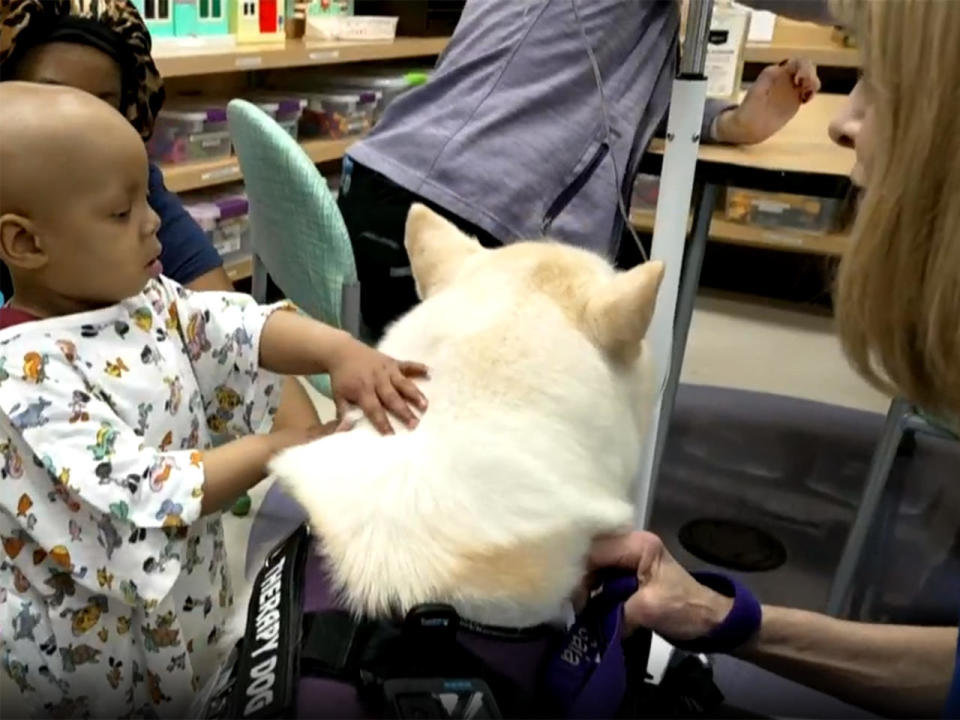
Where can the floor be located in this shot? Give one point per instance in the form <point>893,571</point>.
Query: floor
<point>734,342</point>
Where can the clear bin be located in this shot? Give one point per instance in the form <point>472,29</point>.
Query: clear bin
<point>182,134</point>
<point>225,220</point>
<point>231,237</point>
<point>388,83</point>
<point>806,213</point>
<point>646,190</point>
<point>337,115</point>
<point>289,108</point>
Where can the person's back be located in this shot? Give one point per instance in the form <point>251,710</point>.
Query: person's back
<point>509,134</point>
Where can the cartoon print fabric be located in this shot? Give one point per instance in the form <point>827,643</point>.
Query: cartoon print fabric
<point>113,589</point>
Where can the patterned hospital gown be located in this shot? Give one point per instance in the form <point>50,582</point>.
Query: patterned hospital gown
<point>113,589</point>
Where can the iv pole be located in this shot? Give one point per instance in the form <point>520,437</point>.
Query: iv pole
<point>687,99</point>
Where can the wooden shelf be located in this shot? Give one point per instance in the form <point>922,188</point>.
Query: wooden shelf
<point>802,40</point>
<point>723,230</point>
<point>292,53</point>
<point>239,269</point>
<point>826,55</point>
<point>195,175</point>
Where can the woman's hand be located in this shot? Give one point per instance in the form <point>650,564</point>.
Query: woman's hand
<point>770,103</point>
<point>669,601</point>
<point>376,383</point>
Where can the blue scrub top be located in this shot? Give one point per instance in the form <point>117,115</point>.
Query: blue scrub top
<point>187,251</point>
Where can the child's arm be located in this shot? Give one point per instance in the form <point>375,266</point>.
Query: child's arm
<point>359,375</point>
<point>236,466</point>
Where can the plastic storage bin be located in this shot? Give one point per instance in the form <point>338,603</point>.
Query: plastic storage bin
<point>225,219</point>
<point>806,213</point>
<point>285,108</point>
<point>646,190</point>
<point>388,83</point>
<point>182,134</point>
<point>338,114</point>
<point>231,237</point>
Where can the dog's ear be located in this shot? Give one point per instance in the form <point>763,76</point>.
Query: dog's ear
<point>437,249</point>
<point>618,314</point>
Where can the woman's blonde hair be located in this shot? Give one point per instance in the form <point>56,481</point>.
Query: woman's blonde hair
<point>898,296</point>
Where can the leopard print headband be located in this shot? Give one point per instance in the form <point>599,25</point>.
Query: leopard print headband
<point>112,26</point>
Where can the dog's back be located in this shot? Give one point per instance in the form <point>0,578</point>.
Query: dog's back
<point>529,448</point>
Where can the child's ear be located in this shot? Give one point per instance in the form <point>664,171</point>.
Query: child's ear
<point>19,244</point>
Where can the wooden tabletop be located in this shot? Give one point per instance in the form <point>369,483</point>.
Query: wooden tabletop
<point>802,146</point>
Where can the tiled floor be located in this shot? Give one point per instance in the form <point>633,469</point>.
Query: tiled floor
<point>733,342</point>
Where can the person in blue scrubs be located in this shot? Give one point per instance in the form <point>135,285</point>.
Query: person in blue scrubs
<point>104,49</point>
<point>898,313</point>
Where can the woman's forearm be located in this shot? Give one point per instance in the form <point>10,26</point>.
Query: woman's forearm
<point>889,669</point>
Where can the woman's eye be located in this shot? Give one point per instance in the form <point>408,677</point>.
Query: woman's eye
<point>122,215</point>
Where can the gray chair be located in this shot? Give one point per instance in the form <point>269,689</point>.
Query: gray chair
<point>903,421</point>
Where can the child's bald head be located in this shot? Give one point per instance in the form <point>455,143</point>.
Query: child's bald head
<point>74,221</point>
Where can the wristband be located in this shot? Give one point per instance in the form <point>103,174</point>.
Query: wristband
<point>740,624</point>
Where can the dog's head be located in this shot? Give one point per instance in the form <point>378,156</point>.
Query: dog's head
<point>611,309</point>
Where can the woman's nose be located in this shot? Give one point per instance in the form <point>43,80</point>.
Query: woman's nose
<point>844,130</point>
<point>845,127</point>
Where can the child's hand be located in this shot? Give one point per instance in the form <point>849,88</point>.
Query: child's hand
<point>372,381</point>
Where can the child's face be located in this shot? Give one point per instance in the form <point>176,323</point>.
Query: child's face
<point>78,233</point>
<point>102,237</point>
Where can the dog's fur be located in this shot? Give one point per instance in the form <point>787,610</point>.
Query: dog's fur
<point>529,448</point>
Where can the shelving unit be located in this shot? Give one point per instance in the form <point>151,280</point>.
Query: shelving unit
<point>791,39</point>
<point>292,53</point>
<point>801,39</point>
<point>196,175</point>
<point>734,233</point>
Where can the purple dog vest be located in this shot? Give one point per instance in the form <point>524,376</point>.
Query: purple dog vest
<point>303,656</point>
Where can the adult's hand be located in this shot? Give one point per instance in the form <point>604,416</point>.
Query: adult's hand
<point>668,601</point>
<point>770,103</point>
<point>891,669</point>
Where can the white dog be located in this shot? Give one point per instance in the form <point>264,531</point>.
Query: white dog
<point>538,395</point>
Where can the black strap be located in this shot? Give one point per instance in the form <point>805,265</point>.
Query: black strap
<point>268,670</point>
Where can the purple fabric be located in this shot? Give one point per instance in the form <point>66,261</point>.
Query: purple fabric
<point>595,688</point>
<point>740,624</point>
<point>233,207</point>
<point>588,676</point>
<point>216,114</point>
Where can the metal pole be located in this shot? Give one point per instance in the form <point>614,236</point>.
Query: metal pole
<point>670,227</point>
<point>694,55</point>
<point>689,282</point>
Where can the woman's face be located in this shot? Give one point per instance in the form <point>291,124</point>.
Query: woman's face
<point>853,127</point>
<point>79,66</point>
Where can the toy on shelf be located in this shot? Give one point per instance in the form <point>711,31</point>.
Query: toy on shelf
<point>257,21</point>
<point>166,19</point>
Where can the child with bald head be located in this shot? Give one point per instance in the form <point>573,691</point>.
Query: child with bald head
<point>112,379</point>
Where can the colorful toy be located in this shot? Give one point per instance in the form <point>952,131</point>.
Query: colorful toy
<point>257,21</point>
<point>185,18</point>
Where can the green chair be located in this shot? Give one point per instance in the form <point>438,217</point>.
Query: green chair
<point>299,238</point>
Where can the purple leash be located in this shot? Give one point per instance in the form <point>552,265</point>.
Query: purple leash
<point>588,676</point>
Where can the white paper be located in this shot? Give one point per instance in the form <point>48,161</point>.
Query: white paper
<point>762,23</point>
<point>723,58</point>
